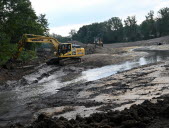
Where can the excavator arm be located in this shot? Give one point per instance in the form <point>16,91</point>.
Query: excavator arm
<point>30,38</point>
<point>41,39</point>
<point>62,50</point>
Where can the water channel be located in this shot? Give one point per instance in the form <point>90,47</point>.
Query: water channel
<point>13,102</point>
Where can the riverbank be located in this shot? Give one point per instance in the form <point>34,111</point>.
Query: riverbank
<point>96,57</point>
<point>101,56</point>
<point>57,91</point>
<point>116,92</point>
<point>103,103</point>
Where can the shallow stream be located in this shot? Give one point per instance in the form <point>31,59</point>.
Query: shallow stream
<point>13,103</point>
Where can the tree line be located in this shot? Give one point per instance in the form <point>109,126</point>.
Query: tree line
<point>115,30</point>
<point>18,17</point>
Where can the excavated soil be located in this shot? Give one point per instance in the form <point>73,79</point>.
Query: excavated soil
<point>146,115</point>
<point>108,102</point>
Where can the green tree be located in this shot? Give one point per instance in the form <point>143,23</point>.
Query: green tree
<point>43,23</point>
<point>60,38</point>
<point>163,21</point>
<point>131,29</point>
<point>87,33</point>
<point>72,34</point>
<point>148,26</point>
<point>115,28</point>
<point>18,17</point>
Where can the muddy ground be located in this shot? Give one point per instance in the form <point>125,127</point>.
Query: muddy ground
<point>96,57</point>
<point>146,115</point>
<point>116,92</point>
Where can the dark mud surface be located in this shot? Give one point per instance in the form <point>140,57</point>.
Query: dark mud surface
<point>20,68</point>
<point>146,115</point>
<point>54,92</point>
<point>105,95</point>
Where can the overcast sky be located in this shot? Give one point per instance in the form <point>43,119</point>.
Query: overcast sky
<point>64,15</point>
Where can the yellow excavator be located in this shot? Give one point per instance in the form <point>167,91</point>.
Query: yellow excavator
<point>63,51</point>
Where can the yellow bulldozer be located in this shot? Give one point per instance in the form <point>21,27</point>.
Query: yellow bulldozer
<point>63,51</point>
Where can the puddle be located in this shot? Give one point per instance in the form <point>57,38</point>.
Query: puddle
<point>12,102</point>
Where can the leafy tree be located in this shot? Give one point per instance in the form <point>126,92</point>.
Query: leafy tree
<point>18,17</point>
<point>43,23</point>
<point>148,27</point>
<point>60,38</point>
<point>131,29</point>
<point>86,34</point>
<point>163,21</point>
<point>72,33</point>
<point>115,23</point>
<point>115,27</point>
<point>81,34</point>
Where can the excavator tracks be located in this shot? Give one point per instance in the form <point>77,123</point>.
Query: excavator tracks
<point>63,61</point>
<point>69,61</point>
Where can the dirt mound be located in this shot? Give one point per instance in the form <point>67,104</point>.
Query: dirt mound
<point>155,41</point>
<point>146,115</point>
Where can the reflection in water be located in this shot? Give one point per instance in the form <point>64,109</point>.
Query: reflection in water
<point>94,74</point>
<point>98,73</point>
<point>11,101</point>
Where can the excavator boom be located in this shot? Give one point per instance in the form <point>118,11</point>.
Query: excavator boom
<point>62,50</point>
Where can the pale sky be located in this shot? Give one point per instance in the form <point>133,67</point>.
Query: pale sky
<point>64,15</point>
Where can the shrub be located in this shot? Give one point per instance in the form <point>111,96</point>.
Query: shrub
<point>7,50</point>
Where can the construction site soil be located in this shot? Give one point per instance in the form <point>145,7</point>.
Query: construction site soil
<point>135,97</point>
<point>146,115</point>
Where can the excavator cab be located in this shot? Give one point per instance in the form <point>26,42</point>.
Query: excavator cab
<point>64,48</point>
<point>70,50</point>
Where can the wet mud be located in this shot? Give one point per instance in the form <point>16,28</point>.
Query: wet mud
<point>146,115</point>
<point>76,96</point>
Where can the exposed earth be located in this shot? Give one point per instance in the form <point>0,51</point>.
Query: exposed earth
<point>73,103</point>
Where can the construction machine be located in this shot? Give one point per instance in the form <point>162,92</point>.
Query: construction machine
<point>98,41</point>
<point>63,51</point>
